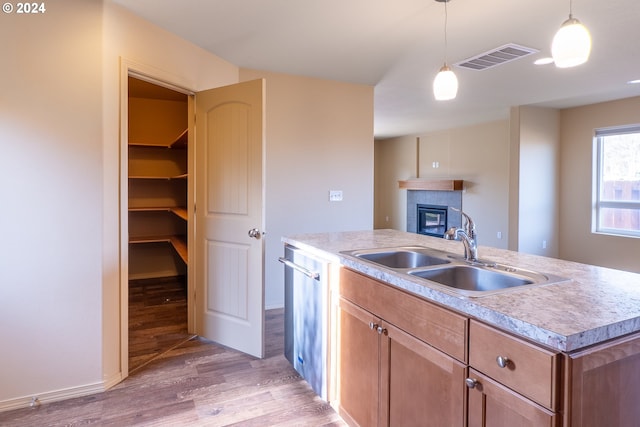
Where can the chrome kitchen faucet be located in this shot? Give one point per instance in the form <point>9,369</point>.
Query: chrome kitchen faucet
<point>467,235</point>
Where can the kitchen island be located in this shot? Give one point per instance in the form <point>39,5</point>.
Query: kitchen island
<point>554,343</point>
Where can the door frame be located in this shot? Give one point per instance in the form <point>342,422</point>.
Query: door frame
<point>160,78</point>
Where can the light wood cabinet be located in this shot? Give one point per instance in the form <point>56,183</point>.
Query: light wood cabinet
<point>358,363</point>
<point>491,404</point>
<point>424,385</point>
<point>404,361</point>
<point>603,385</point>
<point>528,369</point>
<point>511,381</point>
<point>534,386</point>
<point>387,376</point>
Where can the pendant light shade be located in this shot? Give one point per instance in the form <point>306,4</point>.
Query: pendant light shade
<point>445,85</point>
<point>571,45</point>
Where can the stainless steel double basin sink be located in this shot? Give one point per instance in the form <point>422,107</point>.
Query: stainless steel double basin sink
<point>471,279</point>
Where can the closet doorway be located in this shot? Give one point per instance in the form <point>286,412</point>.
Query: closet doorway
<point>158,220</point>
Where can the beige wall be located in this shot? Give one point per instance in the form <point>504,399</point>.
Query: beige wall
<point>480,156</point>
<point>51,186</point>
<point>542,168</point>
<point>61,249</point>
<point>60,133</point>
<point>577,242</point>
<point>537,153</point>
<point>395,160</point>
<point>477,154</point>
<point>319,137</point>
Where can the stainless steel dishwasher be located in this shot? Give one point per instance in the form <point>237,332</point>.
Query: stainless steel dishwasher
<point>306,311</point>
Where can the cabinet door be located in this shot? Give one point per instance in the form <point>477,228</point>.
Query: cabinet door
<point>358,375</point>
<point>530,370</point>
<point>494,405</point>
<point>425,386</point>
<point>605,385</point>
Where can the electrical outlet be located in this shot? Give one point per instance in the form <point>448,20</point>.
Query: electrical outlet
<point>335,195</point>
<point>544,244</point>
<point>499,234</point>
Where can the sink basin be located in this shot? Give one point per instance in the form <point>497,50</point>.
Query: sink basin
<point>439,268</point>
<point>480,280</point>
<point>403,257</point>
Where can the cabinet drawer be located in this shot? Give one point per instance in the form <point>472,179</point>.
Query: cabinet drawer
<point>440,328</point>
<point>530,370</point>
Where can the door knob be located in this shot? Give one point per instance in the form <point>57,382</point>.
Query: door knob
<point>255,233</point>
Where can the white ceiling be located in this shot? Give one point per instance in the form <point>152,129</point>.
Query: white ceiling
<point>398,47</point>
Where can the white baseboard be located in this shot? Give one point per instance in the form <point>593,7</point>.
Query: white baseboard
<point>52,396</point>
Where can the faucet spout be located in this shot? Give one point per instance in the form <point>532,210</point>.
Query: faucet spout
<point>467,235</point>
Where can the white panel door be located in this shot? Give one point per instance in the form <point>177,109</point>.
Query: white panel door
<point>229,173</point>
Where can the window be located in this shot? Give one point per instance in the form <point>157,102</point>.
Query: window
<point>617,192</point>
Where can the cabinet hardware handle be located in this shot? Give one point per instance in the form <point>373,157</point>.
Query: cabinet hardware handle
<point>471,382</point>
<point>382,331</point>
<point>502,361</point>
<point>373,326</point>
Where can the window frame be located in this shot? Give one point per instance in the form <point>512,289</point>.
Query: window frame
<point>599,204</point>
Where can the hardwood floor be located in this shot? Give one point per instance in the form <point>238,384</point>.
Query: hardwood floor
<point>157,318</point>
<point>198,383</point>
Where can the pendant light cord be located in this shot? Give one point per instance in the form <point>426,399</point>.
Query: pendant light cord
<point>445,31</point>
<point>570,9</point>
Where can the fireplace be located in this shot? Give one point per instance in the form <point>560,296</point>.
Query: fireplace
<point>431,220</point>
<point>444,200</point>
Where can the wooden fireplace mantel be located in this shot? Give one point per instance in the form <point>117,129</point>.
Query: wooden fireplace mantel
<point>430,184</point>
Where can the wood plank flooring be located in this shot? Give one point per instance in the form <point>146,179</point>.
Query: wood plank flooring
<point>157,317</point>
<point>198,383</point>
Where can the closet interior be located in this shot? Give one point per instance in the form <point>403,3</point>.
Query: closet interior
<point>158,218</point>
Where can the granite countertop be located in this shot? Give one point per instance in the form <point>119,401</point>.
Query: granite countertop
<point>595,305</point>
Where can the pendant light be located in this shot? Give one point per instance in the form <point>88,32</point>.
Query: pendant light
<point>445,85</point>
<point>571,45</point>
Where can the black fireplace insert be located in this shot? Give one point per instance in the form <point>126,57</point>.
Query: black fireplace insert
<point>432,220</point>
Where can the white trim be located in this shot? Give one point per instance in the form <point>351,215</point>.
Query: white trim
<point>617,130</point>
<point>598,166</point>
<point>112,380</point>
<point>616,232</point>
<point>621,204</point>
<point>174,82</point>
<point>125,67</point>
<point>52,396</point>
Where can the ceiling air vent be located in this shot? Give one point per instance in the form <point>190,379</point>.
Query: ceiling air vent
<point>503,54</point>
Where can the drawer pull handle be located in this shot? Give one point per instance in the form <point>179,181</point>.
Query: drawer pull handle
<point>502,361</point>
<point>381,330</point>
<point>373,326</point>
<point>471,382</point>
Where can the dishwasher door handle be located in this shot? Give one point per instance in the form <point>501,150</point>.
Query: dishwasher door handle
<point>311,274</point>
